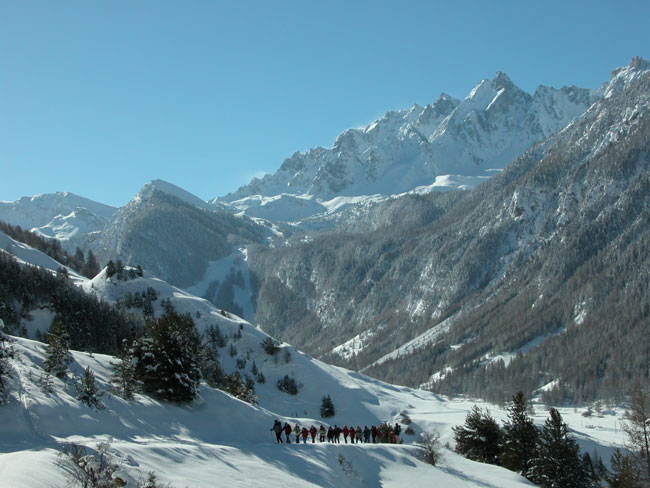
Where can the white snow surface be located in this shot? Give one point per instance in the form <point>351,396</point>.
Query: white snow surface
<point>38,210</point>
<point>171,189</point>
<point>221,441</point>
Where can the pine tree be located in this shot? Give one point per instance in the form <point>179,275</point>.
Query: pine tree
<point>519,440</point>
<point>637,429</point>
<point>57,354</point>
<point>167,362</point>
<point>124,375</point>
<point>478,439</point>
<point>557,463</point>
<point>87,390</point>
<point>211,369</point>
<point>327,407</point>
<point>235,385</point>
<point>624,472</point>
<point>592,471</point>
<point>111,269</point>
<point>5,354</point>
<point>92,266</point>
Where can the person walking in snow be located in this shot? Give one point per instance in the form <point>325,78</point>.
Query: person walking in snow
<point>357,434</point>
<point>296,430</point>
<point>337,434</point>
<point>287,432</point>
<point>345,433</point>
<point>330,434</point>
<point>312,432</point>
<point>277,428</point>
<point>373,431</point>
<point>366,434</point>
<point>396,432</point>
<point>305,434</point>
<point>321,434</point>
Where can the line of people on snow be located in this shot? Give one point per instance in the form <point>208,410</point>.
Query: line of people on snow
<point>384,433</point>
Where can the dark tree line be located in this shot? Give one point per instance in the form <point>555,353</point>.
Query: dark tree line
<point>85,265</point>
<point>92,324</point>
<point>550,457</point>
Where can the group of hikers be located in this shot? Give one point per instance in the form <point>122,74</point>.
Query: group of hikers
<point>385,433</point>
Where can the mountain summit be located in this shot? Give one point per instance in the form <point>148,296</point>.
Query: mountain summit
<point>445,145</point>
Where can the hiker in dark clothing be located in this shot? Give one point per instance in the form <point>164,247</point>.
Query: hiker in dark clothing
<point>312,432</point>
<point>277,428</point>
<point>366,435</point>
<point>287,431</point>
<point>373,431</point>
<point>337,434</point>
<point>330,434</point>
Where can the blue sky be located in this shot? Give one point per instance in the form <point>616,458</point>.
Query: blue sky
<point>99,97</point>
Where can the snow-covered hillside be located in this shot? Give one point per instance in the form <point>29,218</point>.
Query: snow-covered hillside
<point>28,255</point>
<point>219,440</point>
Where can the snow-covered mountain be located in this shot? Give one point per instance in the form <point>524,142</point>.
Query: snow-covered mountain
<point>504,269</point>
<point>64,216</point>
<point>446,145</point>
<point>170,232</point>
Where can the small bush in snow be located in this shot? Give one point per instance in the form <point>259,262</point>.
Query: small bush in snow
<point>346,466</point>
<point>270,346</point>
<point>288,385</point>
<point>430,449</point>
<point>98,469</point>
<point>86,469</point>
<point>46,383</point>
<point>287,356</point>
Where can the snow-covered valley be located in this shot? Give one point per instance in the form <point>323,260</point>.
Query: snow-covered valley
<point>219,440</point>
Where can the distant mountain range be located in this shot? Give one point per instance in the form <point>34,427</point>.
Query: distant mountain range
<point>356,254</point>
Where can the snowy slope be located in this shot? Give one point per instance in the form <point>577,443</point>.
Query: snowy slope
<point>38,210</point>
<point>72,229</point>
<point>219,440</point>
<point>170,189</point>
<point>26,254</point>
